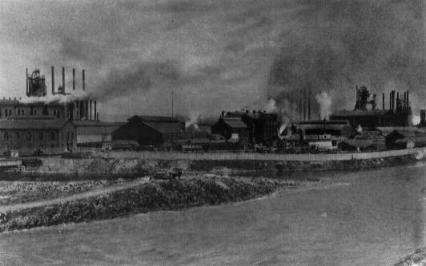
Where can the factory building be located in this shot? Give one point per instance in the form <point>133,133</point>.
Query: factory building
<point>367,114</point>
<point>75,110</point>
<point>38,135</point>
<point>259,127</point>
<point>53,110</point>
<point>233,129</point>
<point>150,130</point>
<point>94,133</point>
<point>335,128</point>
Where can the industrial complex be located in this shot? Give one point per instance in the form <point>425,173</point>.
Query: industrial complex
<point>60,124</point>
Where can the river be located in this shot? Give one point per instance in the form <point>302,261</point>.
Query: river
<point>373,217</point>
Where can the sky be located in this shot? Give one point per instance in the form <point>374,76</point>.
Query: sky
<point>214,55</point>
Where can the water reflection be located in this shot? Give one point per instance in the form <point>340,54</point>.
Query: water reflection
<point>376,220</point>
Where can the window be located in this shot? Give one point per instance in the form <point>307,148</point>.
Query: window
<point>6,136</point>
<point>18,135</point>
<point>40,136</point>
<point>52,135</point>
<point>29,136</point>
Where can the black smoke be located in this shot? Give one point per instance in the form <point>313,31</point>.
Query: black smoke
<point>137,78</point>
<point>335,45</point>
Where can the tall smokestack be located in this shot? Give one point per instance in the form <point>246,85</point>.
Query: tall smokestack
<point>97,116</point>
<point>408,101</point>
<point>53,80</point>
<point>405,101</point>
<point>383,101</point>
<point>390,101</point>
<point>300,105</point>
<point>90,109</point>
<point>83,79</point>
<point>304,104</point>
<point>26,82</point>
<point>94,109</point>
<point>63,80</point>
<point>73,79</point>
<point>87,110</point>
<point>397,100</point>
<point>309,103</point>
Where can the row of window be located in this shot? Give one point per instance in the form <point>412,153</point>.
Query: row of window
<point>9,112</point>
<point>29,135</point>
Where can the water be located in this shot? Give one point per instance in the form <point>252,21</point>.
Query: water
<point>375,220</point>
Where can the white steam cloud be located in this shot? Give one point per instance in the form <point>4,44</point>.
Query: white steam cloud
<point>193,119</point>
<point>57,98</point>
<point>324,101</point>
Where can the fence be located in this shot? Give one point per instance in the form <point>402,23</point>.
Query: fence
<point>229,156</point>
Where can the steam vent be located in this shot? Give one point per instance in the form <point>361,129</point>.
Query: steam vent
<point>54,122</point>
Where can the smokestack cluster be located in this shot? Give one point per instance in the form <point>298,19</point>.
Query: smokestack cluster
<point>299,104</point>
<point>398,104</point>
<point>62,90</point>
<point>78,108</point>
<point>304,104</point>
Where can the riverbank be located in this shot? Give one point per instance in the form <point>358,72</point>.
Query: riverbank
<point>112,165</point>
<point>152,196</point>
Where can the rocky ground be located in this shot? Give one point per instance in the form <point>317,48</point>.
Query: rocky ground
<point>13,192</point>
<point>130,197</point>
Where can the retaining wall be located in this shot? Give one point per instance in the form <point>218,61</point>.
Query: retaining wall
<point>266,156</point>
<point>145,163</point>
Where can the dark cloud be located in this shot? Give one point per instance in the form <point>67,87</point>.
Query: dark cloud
<point>335,45</point>
<point>217,54</point>
<point>137,79</point>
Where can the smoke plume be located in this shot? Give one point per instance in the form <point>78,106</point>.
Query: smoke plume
<point>57,98</point>
<point>192,120</point>
<point>324,102</point>
<point>335,45</point>
<point>216,55</point>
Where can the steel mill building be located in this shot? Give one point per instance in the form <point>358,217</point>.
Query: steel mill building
<point>150,130</point>
<point>256,127</point>
<point>367,114</point>
<point>53,122</point>
<point>37,136</point>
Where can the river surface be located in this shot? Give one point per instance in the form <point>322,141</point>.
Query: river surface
<point>373,217</point>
